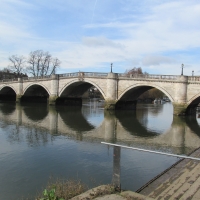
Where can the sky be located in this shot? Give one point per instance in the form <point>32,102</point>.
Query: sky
<point>88,35</point>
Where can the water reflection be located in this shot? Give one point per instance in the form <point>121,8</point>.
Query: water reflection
<point>177,135</point>
<point>116,167</point>
<point>38,141</point>
<point>131,123</point>
<point>74,119</point>
<point>7,109</point>
<point>35,112</point>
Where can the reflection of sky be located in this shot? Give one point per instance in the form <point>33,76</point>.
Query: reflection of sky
<point>158,118</point>
<point>95,114</point>
<point>198,118</point>
<point>141,166</point>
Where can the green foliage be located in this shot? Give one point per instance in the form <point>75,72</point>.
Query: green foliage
<point>50,195</point>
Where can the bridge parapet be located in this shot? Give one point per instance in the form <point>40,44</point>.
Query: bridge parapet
<point>149,76</point>
<point>36,78</point>
<point>194,78</point>
<point>101,74</point>
<point>9,80</point>
<point>85,74</point>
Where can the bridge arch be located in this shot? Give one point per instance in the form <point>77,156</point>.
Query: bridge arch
<point>8,86</point>
<point>149,86</point>
<point>35,93</point>
<point>193,98</point>
<point>192,104</point>
<point>8,93</point>
<point>83,82</point>
<point>36,84</point>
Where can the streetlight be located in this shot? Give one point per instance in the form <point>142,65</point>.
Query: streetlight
<point>182,69</point>
<point>111,68</point>
<point>192,73</point>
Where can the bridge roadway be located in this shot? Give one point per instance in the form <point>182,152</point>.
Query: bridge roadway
<point>112,128</point>
<point>120,91</point>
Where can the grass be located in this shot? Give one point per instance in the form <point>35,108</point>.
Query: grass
<point>60,189</point>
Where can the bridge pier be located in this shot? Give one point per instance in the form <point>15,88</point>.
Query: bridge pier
<point>111,95</point>
<point>180,109</point>
<point>18,98</point>
<point>54,89</point>
<point>52,100</point>
<point>180,97</point>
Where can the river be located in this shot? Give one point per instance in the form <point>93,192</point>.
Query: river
<point>38,141</point>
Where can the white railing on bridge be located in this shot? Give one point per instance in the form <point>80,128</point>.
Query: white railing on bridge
<point>9,80</point>
<point>149,76</point>
<point>194,78</point>
<point>100,74</point>
<point>36,77</point>
<point>85,74</point>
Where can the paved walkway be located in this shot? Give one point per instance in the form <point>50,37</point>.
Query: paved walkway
<point>182,181</point>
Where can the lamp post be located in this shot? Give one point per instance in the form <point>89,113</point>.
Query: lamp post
<point>182,69</point>
<point>192,73</point>
<point>111,68</point>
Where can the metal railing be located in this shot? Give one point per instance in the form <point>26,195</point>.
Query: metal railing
<point>150,151</point>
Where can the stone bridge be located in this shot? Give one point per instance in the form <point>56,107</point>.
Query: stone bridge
<point>120,91</point>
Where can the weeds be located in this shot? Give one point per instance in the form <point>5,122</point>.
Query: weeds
<point>62,190</point>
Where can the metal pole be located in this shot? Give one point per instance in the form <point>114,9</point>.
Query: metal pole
<point>182,69</point>
<point>149,151</point>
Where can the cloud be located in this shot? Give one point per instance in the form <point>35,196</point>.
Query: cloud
<point>156,60</point>
<point>150,34</point>
<point>100,41</point>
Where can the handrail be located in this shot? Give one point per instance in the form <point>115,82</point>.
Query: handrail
<point>151,151</point>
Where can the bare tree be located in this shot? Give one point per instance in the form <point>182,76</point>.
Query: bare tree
<point>135,70</point>
<point>17,64</point>
<point>41,63</point>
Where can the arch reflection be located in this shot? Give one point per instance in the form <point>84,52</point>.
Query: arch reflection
<point>74,119</point>
<point>181,135</point>
<point>8,109</point>
<point>129,121</point>
<point>35,112</point>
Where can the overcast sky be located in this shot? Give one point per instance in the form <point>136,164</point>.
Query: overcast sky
<point>88,35</point>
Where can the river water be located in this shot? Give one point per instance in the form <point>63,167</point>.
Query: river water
<point>38,141</point>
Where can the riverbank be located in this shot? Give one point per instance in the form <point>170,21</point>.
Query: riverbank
<point>181,181</point>
<point>108,192</point>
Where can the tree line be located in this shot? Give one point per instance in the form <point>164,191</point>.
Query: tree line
<point>38,63</point>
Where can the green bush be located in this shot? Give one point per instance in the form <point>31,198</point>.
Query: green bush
<point>50,195</point>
